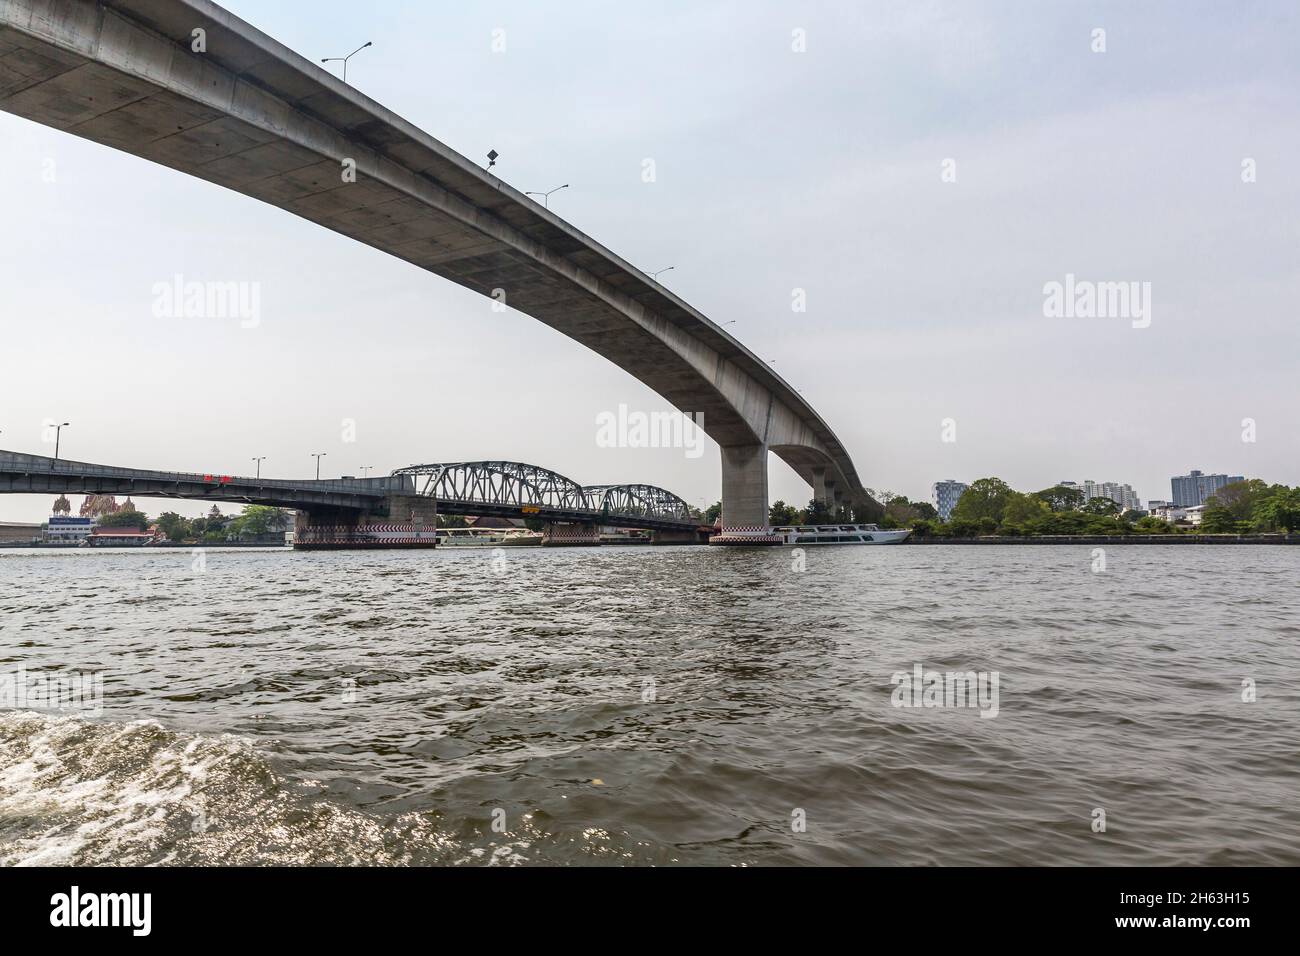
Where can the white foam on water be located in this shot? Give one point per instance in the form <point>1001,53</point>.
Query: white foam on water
<point>73,790</point>
<point>81,792</point>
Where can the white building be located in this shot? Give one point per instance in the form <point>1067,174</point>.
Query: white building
<point>68,529</point>
<point>1122,495</point>
<point>945,495</point>
<point>1176,513</point>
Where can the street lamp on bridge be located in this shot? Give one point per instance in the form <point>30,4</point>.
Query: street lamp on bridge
<point>330,59</point>
<point>546,196</point>
<point>318,456</point>
<point>58,431</point>
<point>655,275</point>
<point>365,470</point>
<point>259,465</point>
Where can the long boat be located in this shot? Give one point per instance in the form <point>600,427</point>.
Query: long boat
<point>840,534</point>
<point>488,538</point>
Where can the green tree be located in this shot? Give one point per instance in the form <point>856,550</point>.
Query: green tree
<point>927,528</point>
<point>1240,497</point>
<point>125,519</point>
<point>986,498</point>
<point>1232,509</point>
<point>1152,525</point>
<point>925,511</point>
<point>255,521</point>
<point>865,512</point>
<point>900,513</point>
<point>1022,512</point>
<point>817,513</point>
<point>174,526</point>
<point>963,528</point>
<point>782,514</point>
<point>1061,498</point>
<point>713,512</point>
<point>1218,520</point>
<point>1102,506</point>
<point>1279,510</point>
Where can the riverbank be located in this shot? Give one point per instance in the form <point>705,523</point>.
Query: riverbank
<point>1116,539</point>
<point>43,546</point>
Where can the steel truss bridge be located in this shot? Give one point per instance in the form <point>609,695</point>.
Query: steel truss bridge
<point>486,488</point>
<point>513,489</point>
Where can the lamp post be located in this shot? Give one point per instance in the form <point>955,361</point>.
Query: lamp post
<point>330,59</point>
<point>259,465</point>
<point>365,470</point>
<point>58,432</point>
<point>318,456</point>
<point>655,275</point>
<point>546,196</point>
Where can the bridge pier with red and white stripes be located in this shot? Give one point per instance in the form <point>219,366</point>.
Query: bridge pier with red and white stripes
<point>410,522</point>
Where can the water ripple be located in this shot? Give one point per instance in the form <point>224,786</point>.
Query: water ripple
<point>655,706</point>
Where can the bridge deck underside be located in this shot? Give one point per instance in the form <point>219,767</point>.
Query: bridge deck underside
<point>251,116</point>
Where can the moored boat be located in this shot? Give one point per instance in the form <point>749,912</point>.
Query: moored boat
<point>488,538</point>
<point>840,534</point>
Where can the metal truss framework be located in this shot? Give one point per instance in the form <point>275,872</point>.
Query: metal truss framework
<point>512,485</point>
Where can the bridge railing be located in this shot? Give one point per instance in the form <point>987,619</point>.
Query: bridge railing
<point>19,463</point>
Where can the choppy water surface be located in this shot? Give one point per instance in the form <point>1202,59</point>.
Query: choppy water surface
<point>654,706</point>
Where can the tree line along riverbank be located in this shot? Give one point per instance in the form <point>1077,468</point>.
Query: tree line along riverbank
<point>1153,539</point>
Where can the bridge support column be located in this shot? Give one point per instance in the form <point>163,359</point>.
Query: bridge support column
<point>562,534</point>
<point>678,537</point>
<point>744,497</point>
<point>819,489</point>
<point>415,510</point>
<point>411,522</point>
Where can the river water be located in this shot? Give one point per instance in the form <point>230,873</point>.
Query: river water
<point>641,705</point>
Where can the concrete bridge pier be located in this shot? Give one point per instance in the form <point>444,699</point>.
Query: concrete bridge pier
<point>819,486</point>
<point>564,534</point>
<point>411,521</point>
<point>415,510</point>
<point>835,501</point>
<point>679,537</point>
<point>744,497</point>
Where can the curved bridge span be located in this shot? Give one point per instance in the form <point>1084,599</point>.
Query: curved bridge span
<point>247,113</point>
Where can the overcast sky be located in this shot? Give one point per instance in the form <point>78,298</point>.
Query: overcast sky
<point>820,170</point>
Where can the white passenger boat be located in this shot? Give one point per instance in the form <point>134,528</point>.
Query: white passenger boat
<point>487,537</point>
<point>840,534</point>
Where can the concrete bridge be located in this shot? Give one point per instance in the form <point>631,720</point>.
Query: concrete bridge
<point>249,114</point>
<point>399,510</point>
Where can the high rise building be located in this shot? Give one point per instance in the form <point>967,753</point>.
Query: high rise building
<point>1192,489</point>
<point>1122,495</point>
<point>946,494</point>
